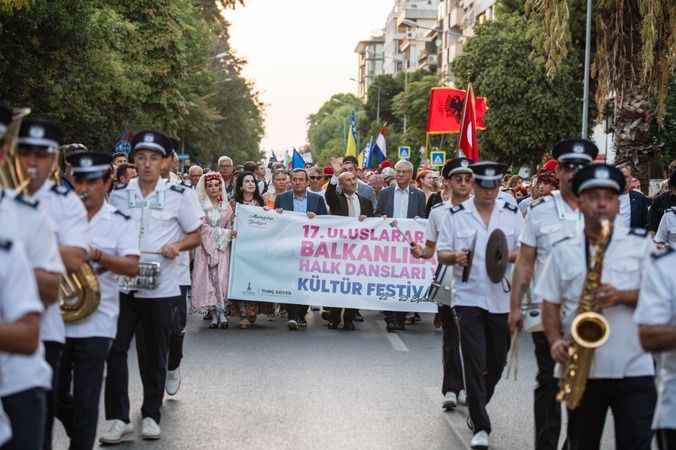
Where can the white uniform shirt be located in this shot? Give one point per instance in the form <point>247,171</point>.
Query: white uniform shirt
<point>436,220</point>
<point>549,220</point>
<point>163,217</point>
<point>507,197</point>
<point>115,235</point>
<point>400,205</point>
<point>18,297</point>
<point>457,233</point>
<point>624,217</point>
<point>23,221</point>
<point>657,306</point>
<point>563,279</point>
<point>666,232</point>
<point>69,219</point>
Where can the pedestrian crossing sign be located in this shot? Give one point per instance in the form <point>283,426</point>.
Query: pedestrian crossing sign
<point>438,158</point>
<point>404,152</point>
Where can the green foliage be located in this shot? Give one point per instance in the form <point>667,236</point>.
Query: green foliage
<point>412,104</point>
<point>528,112</point>
<point>98,68</point>
<point>328,127</point>
<point>666,135</point>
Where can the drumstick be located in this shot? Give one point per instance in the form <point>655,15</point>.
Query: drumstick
<point>513,363</point>
<point>395,225</point>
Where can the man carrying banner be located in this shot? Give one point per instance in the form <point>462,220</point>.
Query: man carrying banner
<point>348,203</point>
<point>301,201</point>
<point>481,305</point>
<point>458,187</point>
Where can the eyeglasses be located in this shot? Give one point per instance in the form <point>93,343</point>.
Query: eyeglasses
<point>572,167</point>
<point>315,178</point>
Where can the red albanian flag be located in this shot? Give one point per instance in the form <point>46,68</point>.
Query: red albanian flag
<point>444,112</point>
<point>467,141</point>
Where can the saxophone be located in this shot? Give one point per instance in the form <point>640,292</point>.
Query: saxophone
<point>589,330</point>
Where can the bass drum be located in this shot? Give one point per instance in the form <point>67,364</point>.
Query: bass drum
<point>441,289</point>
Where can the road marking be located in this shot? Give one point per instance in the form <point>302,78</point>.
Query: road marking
<point>395,340</point>
<point>433,395</point>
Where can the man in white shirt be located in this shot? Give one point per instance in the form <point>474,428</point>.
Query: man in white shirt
<point>656,318</point>
<point>549,219</point>
<point>38,145</point>
<point>458,188</point>
<point>481,306</point>
<point>666,231</point>
<point>114,251</point>
<point>167,224</point>
<point>621,376</point>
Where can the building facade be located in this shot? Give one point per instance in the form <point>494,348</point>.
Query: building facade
<point>370,54</point>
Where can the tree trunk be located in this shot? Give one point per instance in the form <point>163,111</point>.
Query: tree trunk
<point>633,144</point>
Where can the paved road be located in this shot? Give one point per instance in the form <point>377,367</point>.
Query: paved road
<point>268,388</point>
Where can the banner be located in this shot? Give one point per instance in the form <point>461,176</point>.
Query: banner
<point>444,111</point>
<point>329,260</point>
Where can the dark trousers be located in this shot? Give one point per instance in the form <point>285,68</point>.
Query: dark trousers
<point>547,410</point>
<point>26,411</point>
<point>53,352</point>
<point>296,312</point>
<point>485,342</point>
<point>178,330</point>
<point>81,379</point>
<point>154,320</point>
<point>632,401</point>
<point>347,314</point>
<point>452,380</point>
<point>666,439</point>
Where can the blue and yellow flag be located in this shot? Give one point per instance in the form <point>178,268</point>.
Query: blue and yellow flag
<point>351,149</point>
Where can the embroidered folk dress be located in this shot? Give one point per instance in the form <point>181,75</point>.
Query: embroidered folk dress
<point>212,259</point>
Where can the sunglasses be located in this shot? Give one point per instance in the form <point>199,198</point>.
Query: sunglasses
<point>315,178</point>
<point>572,167</point>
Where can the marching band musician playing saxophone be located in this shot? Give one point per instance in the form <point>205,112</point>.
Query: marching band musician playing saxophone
<point>621,375</point>
<point>114,250</point>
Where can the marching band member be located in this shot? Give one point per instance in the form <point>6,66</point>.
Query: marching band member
<point>114,250</point>
<point>621,375</point>
<point>163,214</point>
<point>480,305</point>
<point>20,309</point>
<point>666,231</point>
<point>38,145</point>
<point>549,219</point>
<point>656,318</point>
<point>458,187</point>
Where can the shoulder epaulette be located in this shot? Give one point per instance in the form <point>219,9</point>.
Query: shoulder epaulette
<point>120,186</point>
<point>24,201</point>
<point>120,213</point>
<point>61,190</point>
<point>5,245</point>
<point>672,210</point>
<point>177,188</point>
<point>510,207</point>
<point>185,184</point>
<point>560,240</point>
<point>539,201</point>
<point>640,232</point>
<point>664,252</point>
<point>437,205</point>
<point>457,208</point>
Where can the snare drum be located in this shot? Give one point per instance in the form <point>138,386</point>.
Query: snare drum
<point>148,278</point>
<point>441,289</point>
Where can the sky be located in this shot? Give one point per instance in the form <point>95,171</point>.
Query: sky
<point>300,53</point>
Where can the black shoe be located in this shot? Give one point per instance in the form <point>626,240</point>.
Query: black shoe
<point>416,317</point>
<point>207,316</point>
<point>302,323</point>
<point>326,315</point>
<point>401,325</point>
<point>333,325</point>
<point>391,327</point>
<point>348,326</point>
<point>358,317</point>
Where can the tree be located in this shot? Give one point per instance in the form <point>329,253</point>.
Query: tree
<point>528,112</point>
<point>633,62</point>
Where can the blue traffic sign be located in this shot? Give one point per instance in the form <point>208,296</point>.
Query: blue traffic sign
<point>438,158</point>
<point>404,152</point>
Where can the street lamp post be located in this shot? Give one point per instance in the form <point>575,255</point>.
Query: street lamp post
<point>587,58</point>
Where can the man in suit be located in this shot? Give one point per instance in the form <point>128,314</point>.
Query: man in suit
<point>404,201</point>
<point>633,204</point>
<point>348,203</point>
<point>298,199</point>
<point>350,164</point>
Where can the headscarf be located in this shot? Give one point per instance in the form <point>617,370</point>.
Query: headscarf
<point>202,190</point>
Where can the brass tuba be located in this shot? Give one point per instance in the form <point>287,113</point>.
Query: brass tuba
<point>12,175</point>
<point>589,330</point>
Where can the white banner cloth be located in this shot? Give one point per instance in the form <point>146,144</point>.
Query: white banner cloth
<point>329,260</point>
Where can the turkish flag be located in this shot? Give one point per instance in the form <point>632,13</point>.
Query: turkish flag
<point>467,141</point>
<point>444,112</point>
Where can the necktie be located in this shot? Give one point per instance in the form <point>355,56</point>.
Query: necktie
<point>350,206</point>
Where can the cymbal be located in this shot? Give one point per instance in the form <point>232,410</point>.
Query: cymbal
<point>497,256</point>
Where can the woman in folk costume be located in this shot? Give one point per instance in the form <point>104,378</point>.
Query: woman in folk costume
<point>210,273</point>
